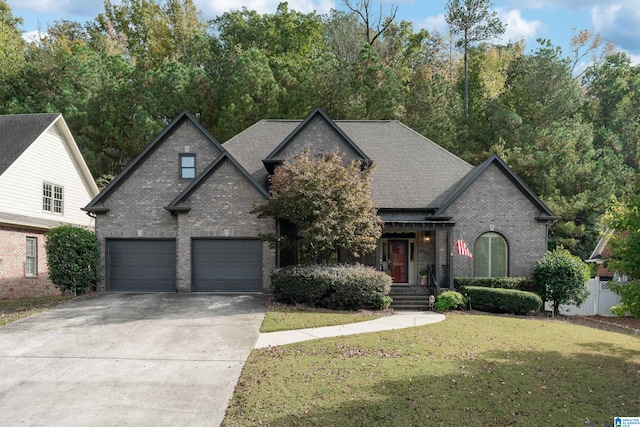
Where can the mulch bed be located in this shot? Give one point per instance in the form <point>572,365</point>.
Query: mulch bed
<point>615,324</point>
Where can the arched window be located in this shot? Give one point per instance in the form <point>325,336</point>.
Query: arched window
<point>491,256</point>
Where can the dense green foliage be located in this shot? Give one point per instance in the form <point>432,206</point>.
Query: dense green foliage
<point>497,300</point>
<point>329,203</point>
<point>120,78</point>
<point>623,218</point>
<point>450,300</point>
<point>519,283</point>
<point>629,298</point>
<point>335,286</point>
<point>564,277</point>
<point>72,258</point>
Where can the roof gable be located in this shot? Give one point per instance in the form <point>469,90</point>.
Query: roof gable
<point>473,175</point>
<point>316,122</point>
<point>18,132</point>
<point>176,204</point>
<point>93,206</point>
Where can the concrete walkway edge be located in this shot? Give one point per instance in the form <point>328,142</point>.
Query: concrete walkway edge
<point>400,320</point>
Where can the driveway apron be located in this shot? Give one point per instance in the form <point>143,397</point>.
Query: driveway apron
<point>127,359</point>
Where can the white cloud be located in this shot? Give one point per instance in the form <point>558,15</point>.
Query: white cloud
<point>212,8</point>
<point>518,28</point>
<point>433,23</point>
<point>619,22</point>
<point>33,36</point>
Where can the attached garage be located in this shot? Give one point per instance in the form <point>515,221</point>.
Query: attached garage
<point>226,265</point>
<point>134,265</point>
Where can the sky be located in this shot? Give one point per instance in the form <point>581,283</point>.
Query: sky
<point>615,20</point>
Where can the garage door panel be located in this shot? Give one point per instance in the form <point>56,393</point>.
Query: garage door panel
<point>221,265</point>
<point>141,265</point>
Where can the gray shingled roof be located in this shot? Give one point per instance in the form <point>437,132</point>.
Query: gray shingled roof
<point>411,170</point>
<point>17,132</point>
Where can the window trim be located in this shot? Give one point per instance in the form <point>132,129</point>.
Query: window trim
<point>183,168</point>
<point>52,198</point>
<point>490,235</point>
<point>31,245</point>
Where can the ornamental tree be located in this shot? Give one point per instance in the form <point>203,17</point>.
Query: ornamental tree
<point>72,257</point>
<point>329,203</point>
<point>563,276</point>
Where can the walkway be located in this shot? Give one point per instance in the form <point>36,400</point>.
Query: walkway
<point>400,320</point>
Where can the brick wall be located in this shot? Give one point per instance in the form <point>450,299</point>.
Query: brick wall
<point>13,281</point>
<point>319,137</point>
<point>137,205</point>
<point>494,203</point>
<point>221,207</point>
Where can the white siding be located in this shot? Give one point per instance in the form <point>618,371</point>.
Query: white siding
<point>48,159</point>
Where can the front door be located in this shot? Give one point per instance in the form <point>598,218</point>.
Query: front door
<point>399,260</point>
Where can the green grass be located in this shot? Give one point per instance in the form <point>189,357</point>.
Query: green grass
<point>284,318</point>
<point>12,310</point>
<point>471,370</point>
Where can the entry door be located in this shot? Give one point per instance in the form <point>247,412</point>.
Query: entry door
<point>399,260</point>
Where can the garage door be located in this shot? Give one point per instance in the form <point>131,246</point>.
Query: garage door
<point>221,265</point>
<point>141,266</point>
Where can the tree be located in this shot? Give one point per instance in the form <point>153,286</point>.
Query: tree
<point>473,23</point>
<point>624,217</point>
<point>11,43</point>
<point>564,277</point>
<point>374,24</point>
<point>329,203</point>
<point>72,257</point>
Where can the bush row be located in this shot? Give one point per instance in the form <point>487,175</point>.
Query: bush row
<point>519,283</point>
<point>496,300</point>
<point>332,286</point>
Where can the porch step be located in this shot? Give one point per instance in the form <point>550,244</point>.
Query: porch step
<point>409,297</point>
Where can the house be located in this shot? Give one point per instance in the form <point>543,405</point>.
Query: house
<point>44,182</point>
<point>178,217</point>
<point>601,254</point>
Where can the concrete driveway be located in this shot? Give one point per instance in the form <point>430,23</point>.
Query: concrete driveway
<point>127,360</point>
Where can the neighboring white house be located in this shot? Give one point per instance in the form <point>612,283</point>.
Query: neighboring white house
<point>44,181</point>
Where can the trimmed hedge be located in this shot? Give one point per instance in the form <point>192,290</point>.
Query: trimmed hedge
<point>496,300</point>
<point>332,286</point>
<point>519,283</point>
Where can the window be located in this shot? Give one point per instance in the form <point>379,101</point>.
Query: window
<point>491,256</point>
<point>187,166</point>
<point>52,198</point>
<point>31,263</point>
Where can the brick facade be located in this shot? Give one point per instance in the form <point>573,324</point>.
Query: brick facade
<point>14,283</point>
<point>494,204</point>
<point>221,207</point>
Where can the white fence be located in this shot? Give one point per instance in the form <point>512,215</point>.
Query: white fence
<point>599,301</point>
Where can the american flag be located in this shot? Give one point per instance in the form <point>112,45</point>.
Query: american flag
<point>462,247</point>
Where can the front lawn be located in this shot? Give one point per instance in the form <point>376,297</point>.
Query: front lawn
<point>281,317</point>
<point>15,309</point>
<point>471,369</point>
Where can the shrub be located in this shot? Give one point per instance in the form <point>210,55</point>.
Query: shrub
<point>72,257</point>
<point>332,286</point>
<point>519,283</point>
<point>563,277</point>
<point>450,300</point>
<point>629,298</point>
<point>496,300</point>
